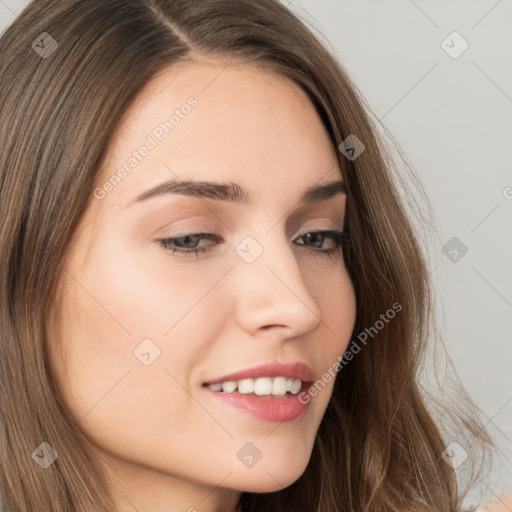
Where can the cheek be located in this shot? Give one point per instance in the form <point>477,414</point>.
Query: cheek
<point>125,324</point>
<point>336,298</point>
<point>335,295</point>
<point>340,315</point>
<point>103,377</point>
<point>129,302</point>
<point>150,292</point>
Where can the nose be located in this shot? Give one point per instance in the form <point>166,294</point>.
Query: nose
<point>271,292</point>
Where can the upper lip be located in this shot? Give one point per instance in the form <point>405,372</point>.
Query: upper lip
<point>295,370</point>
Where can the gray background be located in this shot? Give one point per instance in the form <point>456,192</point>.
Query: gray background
<point>451,116</point>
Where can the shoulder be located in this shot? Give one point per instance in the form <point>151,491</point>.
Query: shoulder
<point>501,504</point>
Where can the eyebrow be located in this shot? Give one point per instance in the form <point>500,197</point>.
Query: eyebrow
<point>233,192</point>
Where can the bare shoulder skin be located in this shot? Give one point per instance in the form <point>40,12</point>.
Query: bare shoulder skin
<point>501,504</point>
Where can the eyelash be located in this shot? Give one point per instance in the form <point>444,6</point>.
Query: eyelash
<point>340,239</point>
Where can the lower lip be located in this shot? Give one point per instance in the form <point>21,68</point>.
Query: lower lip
<point>268,407</point>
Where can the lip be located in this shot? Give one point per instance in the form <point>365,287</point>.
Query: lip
<point>267,408</point>
<point>295,370</point>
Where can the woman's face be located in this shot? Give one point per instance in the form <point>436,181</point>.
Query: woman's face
<point>145,328</point>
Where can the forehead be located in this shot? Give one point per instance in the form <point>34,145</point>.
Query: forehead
<point>214,120</point>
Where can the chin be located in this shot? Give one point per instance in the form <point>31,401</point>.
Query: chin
<point>269,478</point>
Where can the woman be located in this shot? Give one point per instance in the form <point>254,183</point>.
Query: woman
<point>214,299</point>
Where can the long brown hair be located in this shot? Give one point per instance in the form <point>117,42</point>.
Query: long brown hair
<point>70,69</point>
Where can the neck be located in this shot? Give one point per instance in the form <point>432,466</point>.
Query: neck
<point>138,489</point>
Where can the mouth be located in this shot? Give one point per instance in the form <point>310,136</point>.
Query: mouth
<point>269,387</point>
<point>277,399</point>
<point>272,392</point>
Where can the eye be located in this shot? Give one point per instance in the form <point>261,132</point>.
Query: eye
<point>339,240</point>
<point>188,243</point>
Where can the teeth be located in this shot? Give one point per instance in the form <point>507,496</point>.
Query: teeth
<point>277,386</point>
<point>229,386</point>
<point>245,386</point>
<point>296,385</point>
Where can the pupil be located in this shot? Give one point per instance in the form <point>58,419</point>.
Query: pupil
<point>319,239</point>
<point>186,240</point>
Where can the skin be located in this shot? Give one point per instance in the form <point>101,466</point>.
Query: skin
<point>502,503</point>
<point>165,443</point>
